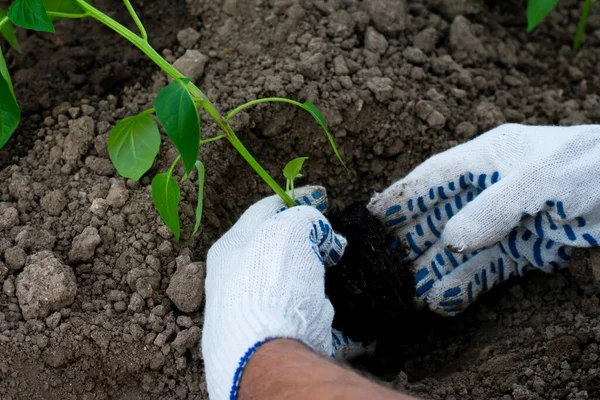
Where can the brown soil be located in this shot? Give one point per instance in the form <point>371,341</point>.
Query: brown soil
<point>443,71</point>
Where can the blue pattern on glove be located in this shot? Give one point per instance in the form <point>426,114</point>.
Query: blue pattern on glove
<point>542,241</point>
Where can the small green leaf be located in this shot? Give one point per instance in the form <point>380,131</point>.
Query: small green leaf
<point>30,14</point>
<point>165,196</point>
<point>199,206</point>
<point>133,145</point>
<point>293,168</point>
<point>178,114</point>
<point>8,33</point>
<point>537,11</point>
<point>316,114</point>
<point>10,114</point>
<point>67,7</point>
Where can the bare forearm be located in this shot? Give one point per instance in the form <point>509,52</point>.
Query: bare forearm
<point>285,369</point>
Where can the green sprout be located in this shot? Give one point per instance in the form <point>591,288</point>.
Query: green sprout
<point>291,172</point>
<point>537,10</point>
<point>134,142</point>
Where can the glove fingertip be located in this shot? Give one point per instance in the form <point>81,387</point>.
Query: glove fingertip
<point>461,236</point>
<point>313,196</point>
<point>447,298</point>
<point>336,250</point>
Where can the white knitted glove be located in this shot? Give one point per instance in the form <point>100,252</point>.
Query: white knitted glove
<point>516,198</point>
<point>266,280</point>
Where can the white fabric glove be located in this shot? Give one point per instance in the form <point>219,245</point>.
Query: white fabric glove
<point>266,280</point>
<point>516,198</point>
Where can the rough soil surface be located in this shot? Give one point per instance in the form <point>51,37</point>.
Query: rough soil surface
<point>397,81</point>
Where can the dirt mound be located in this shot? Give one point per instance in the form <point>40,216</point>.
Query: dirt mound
<point>397,81</point>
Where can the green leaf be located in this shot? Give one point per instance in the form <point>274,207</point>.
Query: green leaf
<point>5,74</point>
<point>316,114</point>
<point>8,33</point>
<point>67,7</point>
<point>293,168</point>
<point>133,145</point>
<point>30,14</point>
<point>199,206</point>
<point>165,196</point>
<point>10,114</point>
<point>537,11</point>
<point>177,113</point>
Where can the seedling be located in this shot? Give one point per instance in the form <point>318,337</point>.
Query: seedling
<point>537,10</point>
<point>135,141</point>
<point>291,172</point>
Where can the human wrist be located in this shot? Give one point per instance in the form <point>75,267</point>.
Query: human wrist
<point>288,369</point>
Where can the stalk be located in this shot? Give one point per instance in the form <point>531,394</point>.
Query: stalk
<point>163,64</point>
<point>136,19</point>
<point>257,101</point>
<point>581,27</point>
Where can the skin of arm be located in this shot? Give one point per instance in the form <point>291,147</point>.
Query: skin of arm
<point>286,369</point>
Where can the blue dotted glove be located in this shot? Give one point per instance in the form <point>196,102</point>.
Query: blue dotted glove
<point>514,199</point>
<point>266,280</point>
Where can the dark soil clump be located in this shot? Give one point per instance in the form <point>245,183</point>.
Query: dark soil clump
<point>368,288</point>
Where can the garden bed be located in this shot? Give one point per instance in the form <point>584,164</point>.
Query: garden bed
<point>395,84</point>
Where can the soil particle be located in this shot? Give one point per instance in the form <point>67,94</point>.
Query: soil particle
<point>388,16</point>
<point>53,320</point>
<point>9,217</point>
<point>488,115</point>
<point>29,238</point>
<point>426,40</point>
<point>101,166</point>
<point>381,88</point>
<point>99,207</point>
<point>375,41</point>
<point>191,64</point>
<point>136,303</point>
<point>186,339</point>
<point>186,288</point>
<point>465,45</point>
<point>45,285</point>
<point>143,286</point>
<point>15,258</point>
<point>188,37</point>
<point>81,134</point>
<point>54,202</point>
<point>118,194</point>
<point>84,245</point>
<point>426,110</point>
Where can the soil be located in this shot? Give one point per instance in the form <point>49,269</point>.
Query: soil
<point>397,82</point>
<point>371,292</point>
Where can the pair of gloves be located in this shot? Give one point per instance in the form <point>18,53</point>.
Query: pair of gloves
<point>514,199</point>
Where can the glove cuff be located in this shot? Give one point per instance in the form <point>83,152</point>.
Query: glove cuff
<point>227,353</point>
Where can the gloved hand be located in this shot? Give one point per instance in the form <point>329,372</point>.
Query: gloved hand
<point>266,280</point>
<point>515,198</point>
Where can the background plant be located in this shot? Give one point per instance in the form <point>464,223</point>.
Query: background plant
<point>537,10</point>
<point>135,141</point>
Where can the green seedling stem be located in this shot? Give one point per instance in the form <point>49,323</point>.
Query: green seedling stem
<point>66,16</point>
<point>173,165</point>
<point>3,21</point>
<point>258,101</point>
<point>581,27</point>
<point>136,19</point>
<point>141,42</point>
